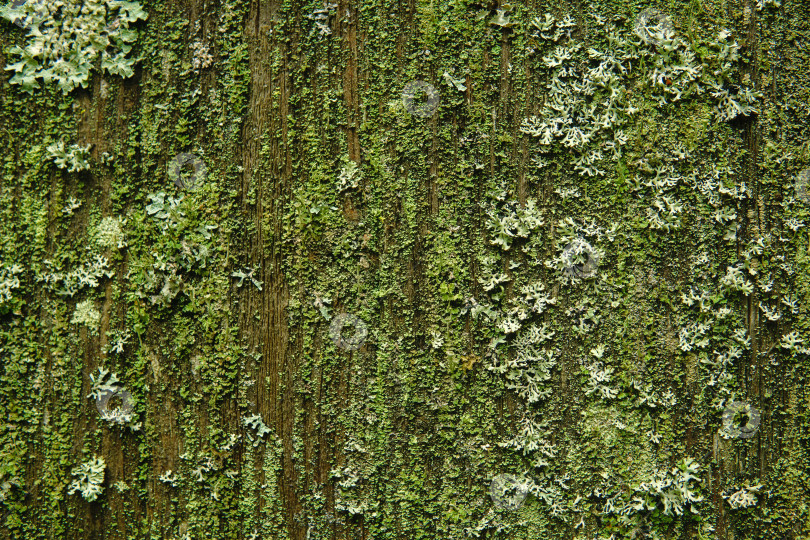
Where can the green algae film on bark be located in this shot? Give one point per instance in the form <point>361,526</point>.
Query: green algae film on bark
<point>400,437</point>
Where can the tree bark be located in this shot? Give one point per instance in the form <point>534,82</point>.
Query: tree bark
<point>327,323</point>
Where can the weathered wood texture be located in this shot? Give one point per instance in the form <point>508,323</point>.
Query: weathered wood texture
<point>445,234</point>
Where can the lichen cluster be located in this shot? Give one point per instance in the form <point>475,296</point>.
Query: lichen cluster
<point>73,158</point>
<point>67,37</point>
<point>89,477</point>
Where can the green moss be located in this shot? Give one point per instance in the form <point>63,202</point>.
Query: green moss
<point>401,437</point>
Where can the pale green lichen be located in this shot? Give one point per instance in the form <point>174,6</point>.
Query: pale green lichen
<point>104,389</point>
<point>108,234</point>
<point>87,315</point>
<point>74,158</point>
<point>103,382</point>
<point>9,280</point>
<point>86,275</point>
<point>350,175</point>
<point>67,37</point>
<point>256,423</point>
<point>588,121</point>
<point>168,477</point>
<point>744,497</point>
<point>89,477</point>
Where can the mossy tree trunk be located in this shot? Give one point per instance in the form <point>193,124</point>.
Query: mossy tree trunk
<point>441,234</point>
